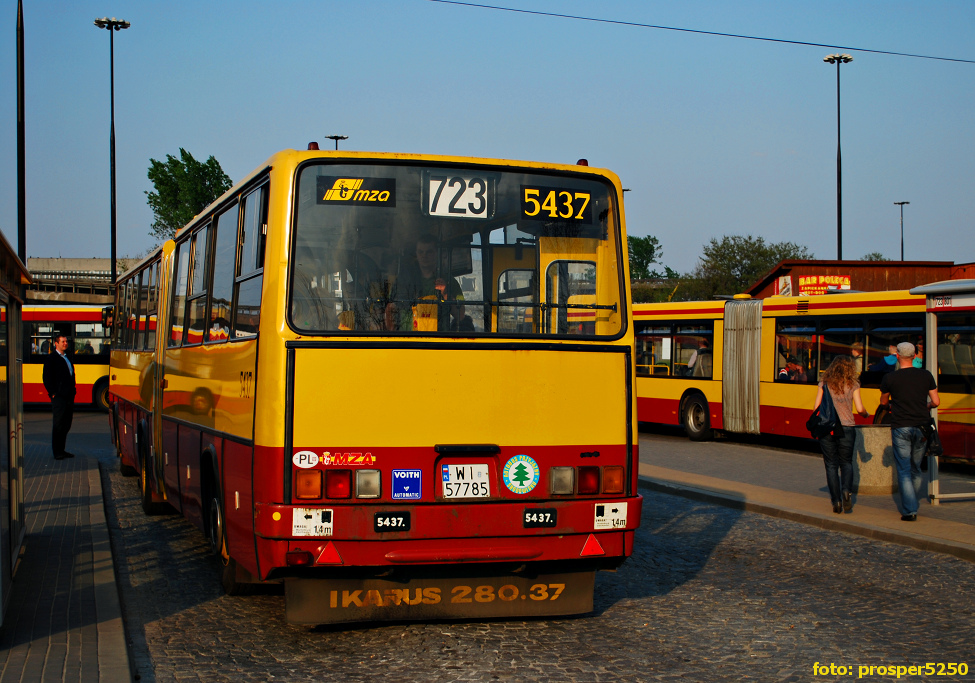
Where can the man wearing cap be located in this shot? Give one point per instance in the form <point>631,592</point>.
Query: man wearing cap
<point>911,393</point>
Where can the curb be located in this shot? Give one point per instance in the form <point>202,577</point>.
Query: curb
<point>113,655</point>
<point>740,502</point>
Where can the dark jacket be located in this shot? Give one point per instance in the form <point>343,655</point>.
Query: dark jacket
<point>58,381</point>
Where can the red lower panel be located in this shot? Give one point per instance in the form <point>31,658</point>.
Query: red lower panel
<point>36,393</point>
<point>239,503</point>
<point>347,553</point>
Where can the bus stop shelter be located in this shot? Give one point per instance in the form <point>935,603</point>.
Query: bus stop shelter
<point>13,281</point>
<point>951,297</point>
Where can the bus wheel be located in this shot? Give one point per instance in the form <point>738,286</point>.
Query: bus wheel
<point>99,395</point>
<point>697,421</point>
<point>215,535</point>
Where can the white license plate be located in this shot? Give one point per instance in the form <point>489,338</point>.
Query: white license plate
<point>466,481</point>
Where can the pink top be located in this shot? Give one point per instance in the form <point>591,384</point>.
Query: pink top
<point>844,404</point>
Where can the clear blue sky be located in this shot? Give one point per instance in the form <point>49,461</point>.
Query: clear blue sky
<point>713,135</point>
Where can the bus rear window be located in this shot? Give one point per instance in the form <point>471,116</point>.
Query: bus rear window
<point>455,251</point>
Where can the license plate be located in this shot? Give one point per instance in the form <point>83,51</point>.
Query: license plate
<point>391,521</point>
<point>466,481</point>
<point>536,518</point>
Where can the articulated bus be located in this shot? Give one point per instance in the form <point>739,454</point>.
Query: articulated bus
<point>752,366</point>
<point>401,385</point>
<point>88,349</point>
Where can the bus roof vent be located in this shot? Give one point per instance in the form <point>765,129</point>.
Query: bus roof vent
<point>802,306</point>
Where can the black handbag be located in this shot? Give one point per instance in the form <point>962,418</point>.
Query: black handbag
<point>824,419</point>
<point>934,441</point>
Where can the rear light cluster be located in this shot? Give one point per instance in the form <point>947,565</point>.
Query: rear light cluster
<point>337,484</point>
<point>588,480</point>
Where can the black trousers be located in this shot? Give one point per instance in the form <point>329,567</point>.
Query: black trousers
<point>62,409</point>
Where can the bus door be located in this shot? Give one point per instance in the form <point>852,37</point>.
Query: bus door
<point>513,268</point>
<point>741,361</point>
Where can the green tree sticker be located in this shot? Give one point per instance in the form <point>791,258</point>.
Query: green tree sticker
<point>520,474</point>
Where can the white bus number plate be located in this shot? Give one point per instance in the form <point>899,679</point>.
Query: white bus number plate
<point>466,481</point>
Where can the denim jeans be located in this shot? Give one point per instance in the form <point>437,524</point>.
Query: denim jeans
<point>838,458</point>
<point>909,447</point>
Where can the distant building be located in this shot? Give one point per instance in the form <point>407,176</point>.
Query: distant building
<point>806,278</point>
<point>72,280</point>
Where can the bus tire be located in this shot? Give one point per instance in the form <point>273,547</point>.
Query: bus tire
<point>696,418</point>
<point>99,395</point>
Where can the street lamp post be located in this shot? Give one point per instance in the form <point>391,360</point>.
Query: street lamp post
<point>112,25</point>
<point>901,204</point>
<point>336,138</point>
<point>838,59</point>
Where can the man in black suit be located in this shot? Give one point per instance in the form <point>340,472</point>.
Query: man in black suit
<point>60,385</point>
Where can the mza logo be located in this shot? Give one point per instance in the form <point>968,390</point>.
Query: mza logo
<point>407,484</point>
<point>348,459</point>
<point>357,191</point>
<point>520,474</point>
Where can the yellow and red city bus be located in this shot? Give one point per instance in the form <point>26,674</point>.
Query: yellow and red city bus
<point>88,349</point>
<point>760,360</point>
<point>400,384</point>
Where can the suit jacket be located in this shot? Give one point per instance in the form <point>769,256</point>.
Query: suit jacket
<point>58,381</point>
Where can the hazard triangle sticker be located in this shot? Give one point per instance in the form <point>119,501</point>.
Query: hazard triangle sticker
<point>329,555</point>
<point>591,547</point>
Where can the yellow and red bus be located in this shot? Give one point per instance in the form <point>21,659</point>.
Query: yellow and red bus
<point>752,366</point>
<point>88,349</point>
<point>400,384</point>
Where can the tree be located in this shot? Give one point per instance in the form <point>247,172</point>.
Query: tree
<point>874,256</point>
<point>643,253</point>
<point>731,264</point>
<point>184,187</point>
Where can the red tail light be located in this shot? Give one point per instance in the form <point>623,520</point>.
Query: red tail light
<point>298,558</point>
<point>588,481</point>
<point>338,484</point>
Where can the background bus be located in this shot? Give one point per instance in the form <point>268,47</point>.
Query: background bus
<point>88,349</point>
<point>400,384</point>
<point>761,360</point>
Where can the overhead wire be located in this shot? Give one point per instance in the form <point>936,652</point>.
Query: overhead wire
<point>635,24</point>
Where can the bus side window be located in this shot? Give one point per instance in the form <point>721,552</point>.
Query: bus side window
<point>177,320</point>
<point>250,268</point>
<point>222,289</point>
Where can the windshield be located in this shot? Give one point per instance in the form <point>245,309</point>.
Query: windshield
<point>457,251</point>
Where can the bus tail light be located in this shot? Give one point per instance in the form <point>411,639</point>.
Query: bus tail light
<point>613,479</point>
<point>338,484</point>
<point>308,484</point>
<point>588,481</point>
<point>298,558</point>
<point>367,483</point>
<point>562,480</point>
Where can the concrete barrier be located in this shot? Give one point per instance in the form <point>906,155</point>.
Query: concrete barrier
<point>874,472</point>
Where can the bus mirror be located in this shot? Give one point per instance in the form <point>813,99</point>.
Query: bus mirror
<point>108,317</point>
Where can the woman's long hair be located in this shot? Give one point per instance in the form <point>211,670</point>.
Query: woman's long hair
<point>841,374</point>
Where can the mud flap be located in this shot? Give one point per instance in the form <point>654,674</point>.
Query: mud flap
<point>335,601</point>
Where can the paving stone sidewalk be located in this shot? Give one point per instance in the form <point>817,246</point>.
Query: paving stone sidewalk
<point>64,621</point>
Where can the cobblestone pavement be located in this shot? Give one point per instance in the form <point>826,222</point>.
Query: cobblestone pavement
<point>710,593</point>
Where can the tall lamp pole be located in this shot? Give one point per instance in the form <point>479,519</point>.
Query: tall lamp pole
<point>112,25</point>
<point>901,204</point>
<point>837,60</point>
<point>336,138</point>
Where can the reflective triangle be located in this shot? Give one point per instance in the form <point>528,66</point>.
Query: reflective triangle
<point>592,547</point>
<point>329,555</point>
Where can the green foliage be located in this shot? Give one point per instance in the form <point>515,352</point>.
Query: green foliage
<point>643,252</point>
<point>184,187</point>
<point>874,256</point>
<point>733,263</point>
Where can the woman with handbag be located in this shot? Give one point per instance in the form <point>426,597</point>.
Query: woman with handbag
<point>841,380</point>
